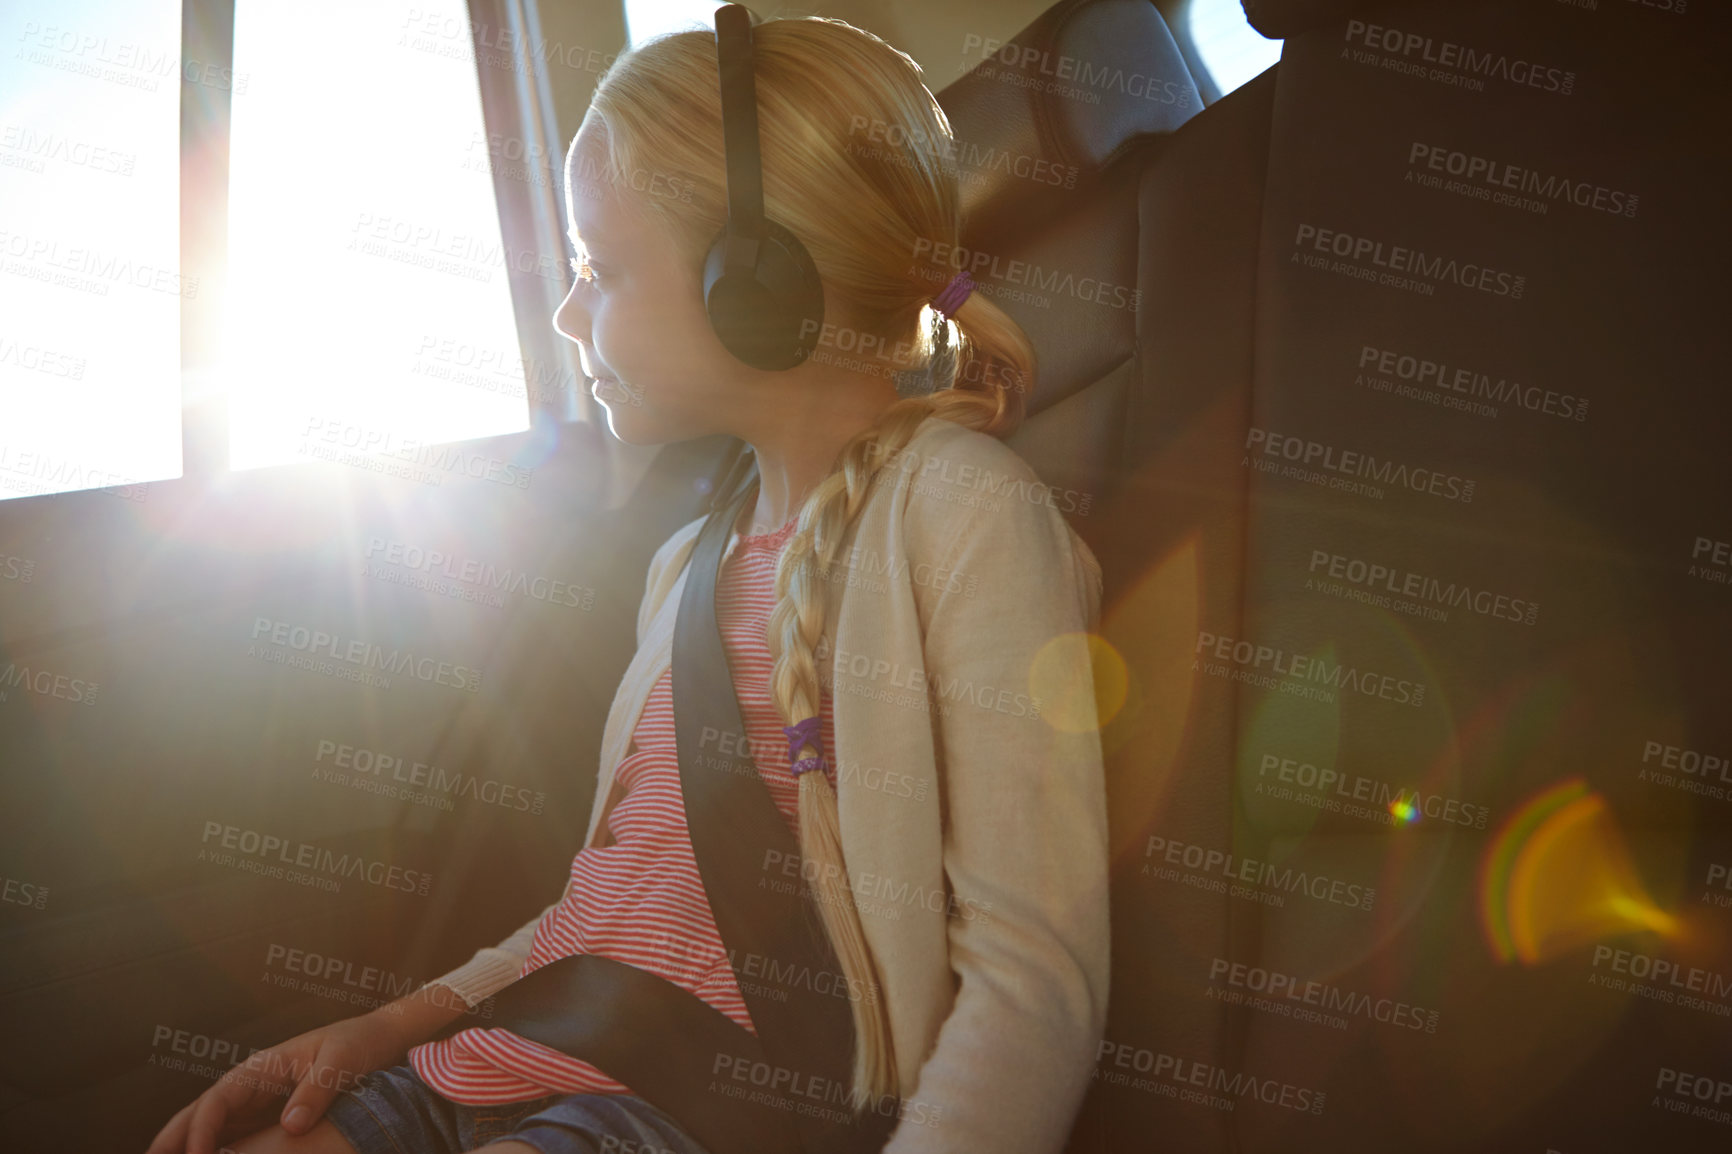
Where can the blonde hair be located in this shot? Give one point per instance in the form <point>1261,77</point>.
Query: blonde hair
<point>843,120</point>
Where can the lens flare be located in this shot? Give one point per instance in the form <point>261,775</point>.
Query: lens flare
<point>1066,701</point>
<point>1558,875</point>
<point>1147,686</point>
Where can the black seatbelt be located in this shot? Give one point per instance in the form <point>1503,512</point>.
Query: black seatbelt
<point>667,1045</point>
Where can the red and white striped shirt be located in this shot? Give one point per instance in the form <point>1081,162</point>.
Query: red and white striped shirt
<point>641,900</point>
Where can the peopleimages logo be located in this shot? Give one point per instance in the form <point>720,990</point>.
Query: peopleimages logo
<point>85,269</point>
<point>441,33</point>
<point>1286,989</point>
<point>1710,560</point>
<point>32,472</point>
<point>1681,1086</point>
<point>935,474</point>
<point>893,143</point>
<point>1513,184</point>
<point>224,1059</point>
<point>1233,868</point>
<point>1063,70</point>
<point>1390,586</point>
<point>36,148</point>
<point>1453,62</point>
<point>855,671</point>
<point>799,1092</point>
<point>40,359</point>
<point>785,976</point>
<point>269,855</point>
<point>16,891</point>
<point>361,655</point>
<point>1330,788</point>
<point>863,566</point>
<point>381,451</point>
<point>1663,980</point>
<point>1293,673</point>
<point>1197,1079</point>
<point>946,258</point>
<point>483,576</point>
<point>1402,267</point>
<point>46,683</point>
<point>873,893</point>
<point>1691,762</point>
<point>1314,460</point>
<point>128,63</point>
<point>1470,384</point>
<point>391,775</point>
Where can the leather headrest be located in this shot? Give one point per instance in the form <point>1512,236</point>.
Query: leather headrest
<point>1050,108</point>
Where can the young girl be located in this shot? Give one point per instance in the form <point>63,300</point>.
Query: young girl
<point>902,577</point>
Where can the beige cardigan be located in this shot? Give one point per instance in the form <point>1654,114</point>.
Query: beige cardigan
<point>974,826</point>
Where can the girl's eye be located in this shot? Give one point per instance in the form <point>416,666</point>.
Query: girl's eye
<point>585,272</point>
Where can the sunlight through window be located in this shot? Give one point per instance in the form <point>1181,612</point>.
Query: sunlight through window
<point>368,309</point>
<point>90,283</point>
<point>1233,51</point>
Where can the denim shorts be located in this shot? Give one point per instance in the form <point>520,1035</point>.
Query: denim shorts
<point>394,1112</point>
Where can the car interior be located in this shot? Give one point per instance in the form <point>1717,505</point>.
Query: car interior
<point>1385,379</point>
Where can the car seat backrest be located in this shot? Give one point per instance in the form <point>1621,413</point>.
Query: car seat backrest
<point>1069,93</point>
<point>1561,564</point>
<point>1133,278</point>
<point>1486,476</point>
<point>1045,125</point>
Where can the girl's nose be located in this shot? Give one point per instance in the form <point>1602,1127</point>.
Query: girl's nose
<point>571,319</point>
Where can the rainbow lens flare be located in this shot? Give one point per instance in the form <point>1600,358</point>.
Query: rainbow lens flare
<point>1558,875</point>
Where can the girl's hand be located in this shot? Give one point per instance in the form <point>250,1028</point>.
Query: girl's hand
<point>315,1066</point>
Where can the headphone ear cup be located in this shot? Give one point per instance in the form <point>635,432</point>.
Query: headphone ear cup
<point>770,317</point>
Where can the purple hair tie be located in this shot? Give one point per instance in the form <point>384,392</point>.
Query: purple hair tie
<point>948,301</point>
<point>801,734</point>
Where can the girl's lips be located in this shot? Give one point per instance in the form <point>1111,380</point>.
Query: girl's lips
<point>608,389</point>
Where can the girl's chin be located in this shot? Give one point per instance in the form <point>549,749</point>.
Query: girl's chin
<point>628,425</point>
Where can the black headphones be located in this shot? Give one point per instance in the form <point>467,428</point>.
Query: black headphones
<point>761,289</point>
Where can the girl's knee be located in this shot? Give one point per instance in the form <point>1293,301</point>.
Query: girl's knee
<point>323,1138</point>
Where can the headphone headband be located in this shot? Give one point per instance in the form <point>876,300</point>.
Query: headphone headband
<point>740,136</point>
<point>761,289</point>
